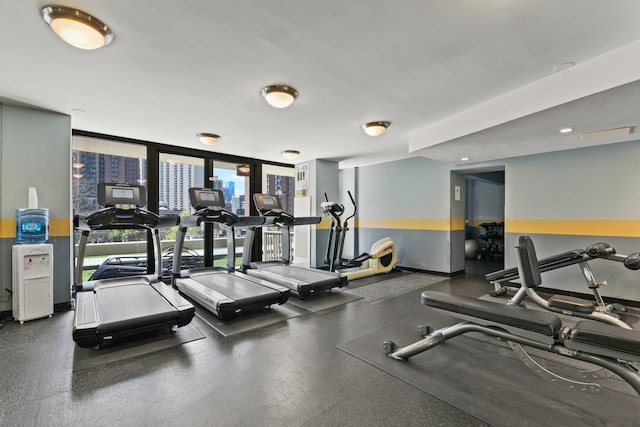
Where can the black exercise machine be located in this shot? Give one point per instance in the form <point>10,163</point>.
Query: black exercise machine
<point>302,281</point>
<point>221,290</point>
<point>382,258</point>
<point>567,304</point>
<point>110,309</point>
<point>605,345</point>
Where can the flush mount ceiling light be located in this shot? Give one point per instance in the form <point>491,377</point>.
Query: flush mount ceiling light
<point>290,154</point>
<point>566,130</point>
<point>375,128</point>
<point>209,138</point>
<point>77,28</point>
<point>243,170</point>
<point>279,96</point>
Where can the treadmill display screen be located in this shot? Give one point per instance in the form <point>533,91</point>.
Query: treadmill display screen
<point>208,197</point>
<point>267,202</point>
<point>122,193</point>
<point>119,194</point>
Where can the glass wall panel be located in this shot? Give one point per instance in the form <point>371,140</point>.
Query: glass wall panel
<point>280,181</point>
<point>94,161</point>
<point>234,181</point>
<point>178,173</point>
<point>99,159</point>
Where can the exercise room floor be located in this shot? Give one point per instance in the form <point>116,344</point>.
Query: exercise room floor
<point>292,373</point>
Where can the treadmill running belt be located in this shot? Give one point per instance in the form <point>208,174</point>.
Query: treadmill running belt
<point>235,287</point>
<point>317,277</point>
<point>139,304</point>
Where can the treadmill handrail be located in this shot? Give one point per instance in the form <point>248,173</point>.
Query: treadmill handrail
<point>227,218</point>
<point>113,218</point>
<point>306,220</point>
<point>80,223</point>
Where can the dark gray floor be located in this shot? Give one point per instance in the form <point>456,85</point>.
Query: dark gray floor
<point>286,374</point>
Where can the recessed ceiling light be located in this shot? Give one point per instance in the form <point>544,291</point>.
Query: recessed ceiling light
<point>208,138</point>
<point>375,128</point>
<point>464,159</point>
<point>566,130</point>
<point>76,27</point>
<point>279,96</point>
<point>563,66</point>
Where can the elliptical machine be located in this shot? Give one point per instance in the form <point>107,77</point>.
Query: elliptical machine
<point>382,258</point>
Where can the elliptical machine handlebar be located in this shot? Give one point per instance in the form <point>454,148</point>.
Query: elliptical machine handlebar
<point>337,231</point>
<point>355,208</point>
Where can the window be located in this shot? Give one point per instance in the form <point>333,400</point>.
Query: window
<point>94,161</point>
<point>97,158</point>
<point>280,181</point>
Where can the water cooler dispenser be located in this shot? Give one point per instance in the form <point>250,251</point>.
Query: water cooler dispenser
<point>32,281</point>
<point>32,261</point>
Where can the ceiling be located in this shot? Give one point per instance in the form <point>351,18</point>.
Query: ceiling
<point>456,78</point>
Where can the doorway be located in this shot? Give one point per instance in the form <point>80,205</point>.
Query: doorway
<point>484,219</point>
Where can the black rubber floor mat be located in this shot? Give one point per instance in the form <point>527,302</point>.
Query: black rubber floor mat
<point>499,390</point>
<point>324,300</point>
<point>84,358</point>
<point>357,283</point>
<point>248,321</point>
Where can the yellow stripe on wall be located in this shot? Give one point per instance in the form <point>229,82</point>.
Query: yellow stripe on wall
<point>324,224</point>
<point>57,228</point>
<point>579,227</point>
<point>409,224</point>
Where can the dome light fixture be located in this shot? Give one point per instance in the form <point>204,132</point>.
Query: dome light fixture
<point>77,28</point>
<point>208,138</point>
<point>375,128</point>
<point>243,170</point>
<point>290,154</point>
<point>279,96</point>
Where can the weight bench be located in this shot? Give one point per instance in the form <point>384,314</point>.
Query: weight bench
<point>569,305</point>
<point>602,344</point>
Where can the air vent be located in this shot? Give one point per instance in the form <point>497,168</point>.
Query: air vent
<point>606,134</point>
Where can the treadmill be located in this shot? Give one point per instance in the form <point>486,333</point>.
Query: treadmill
<point>302,281</point>
<point>221,290</point>
<point>110,309</point>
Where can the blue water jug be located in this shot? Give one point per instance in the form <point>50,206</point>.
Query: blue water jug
<point>32,225</point>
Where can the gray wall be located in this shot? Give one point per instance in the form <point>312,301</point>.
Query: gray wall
<point>408,201</point>
<point>484,201</point>
<point>348,181</point>
<point>564,200</point>
<point>35,151</point>
<point>457,232</point>
<point>570,199</point>
<point>323,179</point>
